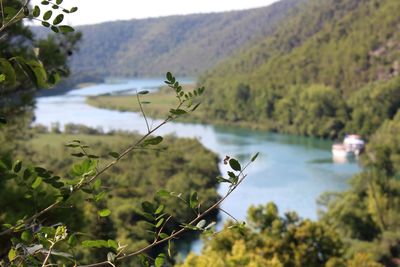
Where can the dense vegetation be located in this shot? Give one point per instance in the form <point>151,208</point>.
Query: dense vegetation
<point>333,67</point>
<point>335,49</point>
<point>55,210</point>
<point>173,167</point>
<point>275,241</point>
<point>185,45</point>
<point>358,227</point>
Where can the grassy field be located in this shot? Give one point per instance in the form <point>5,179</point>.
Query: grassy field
<point>158,108</point>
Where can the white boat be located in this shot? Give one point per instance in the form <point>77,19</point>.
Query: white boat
<point>354,143</point>
<point>340,151</point>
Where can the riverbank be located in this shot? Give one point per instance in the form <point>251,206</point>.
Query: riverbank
<point>157,106</point>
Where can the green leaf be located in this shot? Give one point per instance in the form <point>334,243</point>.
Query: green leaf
<point>255,157</point>
<point>40,170</point>
<point>54,77</point>
<point>59,2</point>
<point>145,92</point>
<point>221,179</point>
<point>45,24</point>
<point>71,145</point>
<point>231,174</point>
<point>72,240</point>
<point>26,236</point>
<point>114,154</point>
<point>210,225</point>
<point>36,12</point>
<point>6,162</point>
<point>160,222</point>
<point>45,3</point>
<point>163,193</point>
<point>55,7</point>
<point>163,235</point>
<point>177,111</point>
<point>235,165</point>
<point>58,19</point>
<point>66,29</point>
<point>17,166</point>
<point>112,244</point>
<point>54,29</point>
<point>36,183</point>
<point>9,72</point>
<point>159,260</point>
<point>37,73</point>
<point>169,76</point>
<point>104,212</point>
<point>74,9</point>
<point>47,15</point>
<point>190,227</point>
<point>196,106</point>
<point>194,201</point>
<point>159,209</point>
<point>99,196</point>
<point>153,141</point>
<point>201,224</point>
<point>27,174</point>
<point>12,254</point>
<point>148,207</point>
<point>78,155</point>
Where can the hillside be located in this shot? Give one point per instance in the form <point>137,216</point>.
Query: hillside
<point>186,45</point>
<point>301,79</point>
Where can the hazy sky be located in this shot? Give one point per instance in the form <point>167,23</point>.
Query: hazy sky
<point>94,11</point>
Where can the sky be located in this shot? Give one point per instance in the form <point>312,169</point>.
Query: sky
<point>95,11</point>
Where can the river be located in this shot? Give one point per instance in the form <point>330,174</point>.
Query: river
<point>292,171</point>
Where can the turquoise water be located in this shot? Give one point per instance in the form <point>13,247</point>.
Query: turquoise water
<point>292,171</point>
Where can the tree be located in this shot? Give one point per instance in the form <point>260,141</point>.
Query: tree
<point>39,235</point>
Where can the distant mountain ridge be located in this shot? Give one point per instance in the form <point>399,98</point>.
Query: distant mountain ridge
<point>186,45</point>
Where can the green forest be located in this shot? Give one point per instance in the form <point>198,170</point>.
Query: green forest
<point>346,51</point>
<point>75,195</point>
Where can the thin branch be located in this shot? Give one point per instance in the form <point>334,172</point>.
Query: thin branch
<point>11,21</point>
<point>227,213</point>
<point>2,12</point>
<point>141,109</point>
<point>183,229</point>
<point>90,180</point>
<point>53,3</point>
<point>48,254</point>
<point>162,227</point>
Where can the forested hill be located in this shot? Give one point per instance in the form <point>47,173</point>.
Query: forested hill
<point>320,73</point>
<point>186,45</point>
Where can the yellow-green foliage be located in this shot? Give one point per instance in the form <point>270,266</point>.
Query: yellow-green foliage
<point>271,241</point>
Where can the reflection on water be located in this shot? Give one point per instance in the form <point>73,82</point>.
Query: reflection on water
<point>292,171</point>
